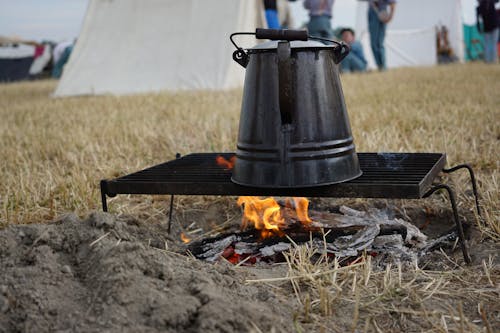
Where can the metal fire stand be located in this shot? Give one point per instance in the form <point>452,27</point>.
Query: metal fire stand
<point>385,175</point>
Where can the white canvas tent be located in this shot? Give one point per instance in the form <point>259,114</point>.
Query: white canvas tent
<point>133,46</point>
<point>411,35</point>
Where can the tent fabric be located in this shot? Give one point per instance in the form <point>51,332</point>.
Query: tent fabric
<point>411,35</point>
<point>15,62</point>
<point>131,46</point>
<point>15,69</point>
<point>405,48</point>
<point>16,51</point>
<point>41,61</point>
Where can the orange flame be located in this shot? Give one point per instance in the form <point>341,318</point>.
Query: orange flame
<point>301,209</point>
<point>185,238</point>
<point>264,214</point>
<point>222,162</point>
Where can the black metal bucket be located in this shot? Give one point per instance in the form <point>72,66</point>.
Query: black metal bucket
<point>294,130</point>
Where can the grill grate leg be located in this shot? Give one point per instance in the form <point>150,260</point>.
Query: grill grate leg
<point>472,180</point>
<point>461,236</point>
<point>170,213</point>
<point>103,196</point>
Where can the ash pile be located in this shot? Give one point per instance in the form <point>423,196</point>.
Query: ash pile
<point>272,228</point>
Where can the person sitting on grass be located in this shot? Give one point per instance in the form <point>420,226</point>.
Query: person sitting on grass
<point>355,60</point>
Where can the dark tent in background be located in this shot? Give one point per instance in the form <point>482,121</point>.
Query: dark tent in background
<point>23,59</point>
<point>15,62</point>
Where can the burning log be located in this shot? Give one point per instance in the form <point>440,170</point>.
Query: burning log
<point>341,235</point>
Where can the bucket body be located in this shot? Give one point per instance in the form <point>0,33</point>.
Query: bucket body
<point>294,130</point>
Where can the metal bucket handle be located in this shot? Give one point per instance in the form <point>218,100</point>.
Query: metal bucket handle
<point>241,56</point>
<point>285,86</point>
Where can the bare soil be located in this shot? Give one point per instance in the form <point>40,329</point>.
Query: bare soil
<point>121,274</point>
<point>114,274</point>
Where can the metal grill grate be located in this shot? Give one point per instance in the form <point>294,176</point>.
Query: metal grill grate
<point>385,175</point>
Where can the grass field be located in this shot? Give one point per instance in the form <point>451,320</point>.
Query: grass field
<point>55,151</point>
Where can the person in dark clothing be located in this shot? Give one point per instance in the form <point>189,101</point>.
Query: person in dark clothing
<point>488,24</point>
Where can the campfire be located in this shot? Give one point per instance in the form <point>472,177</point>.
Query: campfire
<point>268,217</point>
<point>271,226</point>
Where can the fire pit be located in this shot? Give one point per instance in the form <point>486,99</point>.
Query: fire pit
<point>270,227</point>
<point>385,175</point>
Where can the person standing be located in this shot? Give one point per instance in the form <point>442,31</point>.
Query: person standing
<point>380,12</point>
<point>320,15</point>
<point>488,16</point>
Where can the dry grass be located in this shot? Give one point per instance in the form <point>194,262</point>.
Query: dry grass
<point>357,298</point>
<point>54,151</point>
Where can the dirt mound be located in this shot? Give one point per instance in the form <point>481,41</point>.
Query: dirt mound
<point>116,274</point>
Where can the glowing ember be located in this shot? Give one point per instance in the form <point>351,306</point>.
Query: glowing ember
<point>185,238</point>
<point>222,162</point>
<point>265,214</point>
